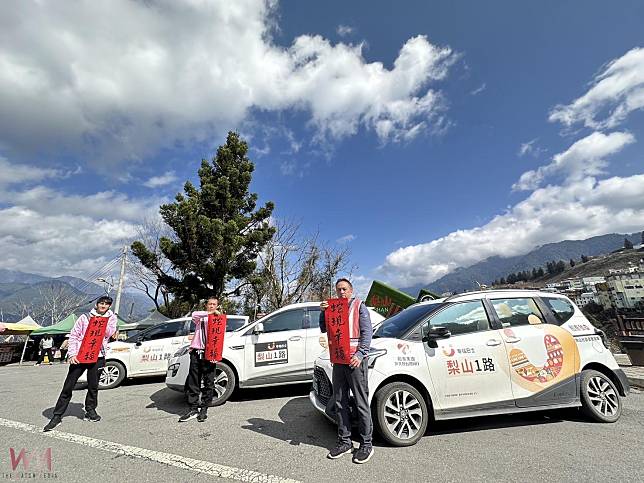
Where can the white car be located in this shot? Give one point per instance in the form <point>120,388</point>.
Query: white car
<point>483,353</point>
<point>147,353</point>
<point>278,349</point>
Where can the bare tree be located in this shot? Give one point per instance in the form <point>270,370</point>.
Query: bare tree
<point>150,232</point>
<point>294,267</point>
<point>22,308</point>
<point>57,301</point>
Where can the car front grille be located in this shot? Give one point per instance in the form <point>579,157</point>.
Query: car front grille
<point>322,385</point>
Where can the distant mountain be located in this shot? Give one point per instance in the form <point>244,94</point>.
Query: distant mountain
<point>19,289</point>
<point>493,268</point>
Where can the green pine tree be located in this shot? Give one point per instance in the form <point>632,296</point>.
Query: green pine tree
<point>218,228</point>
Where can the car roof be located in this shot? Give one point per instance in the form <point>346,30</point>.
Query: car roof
<point>498,293</point>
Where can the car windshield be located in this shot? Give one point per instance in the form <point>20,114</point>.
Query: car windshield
<point>400,323</point>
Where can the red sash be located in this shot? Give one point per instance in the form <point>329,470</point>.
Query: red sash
<point>336,317</point>
<point>92,340</point>
<point>215,331</point>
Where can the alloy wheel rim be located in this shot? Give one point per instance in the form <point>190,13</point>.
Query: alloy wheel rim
<point>403,414</point>
<point>109,375</point>
<point>221,383</point>
<point>602,396</point>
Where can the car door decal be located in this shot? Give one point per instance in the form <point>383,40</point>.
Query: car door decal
<point>559,359</point>
<point>269,353</point>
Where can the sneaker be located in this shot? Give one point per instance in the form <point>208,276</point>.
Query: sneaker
<point>339,450</point>
<point>203,414</point>
<point>193,413</point>
<point>92,416</point>
<point>363,454</point>
<point>55,421</point>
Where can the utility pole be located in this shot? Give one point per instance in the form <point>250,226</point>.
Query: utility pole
<point>121,280</point>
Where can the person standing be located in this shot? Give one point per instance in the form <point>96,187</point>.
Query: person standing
<point>76,368</point>
<point>64,347</point>
<point>352,376</point>
<point>46,345</point>
<point>202,371</point>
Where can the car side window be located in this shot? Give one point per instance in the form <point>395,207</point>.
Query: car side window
<point>519,311</point>
<point>462,318</point>
<point>313,317</point>
<point>289,320</point>
<point>561,308</point>
<point>163,331</point>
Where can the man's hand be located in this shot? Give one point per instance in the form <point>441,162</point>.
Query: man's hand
<point>73,360</point>
<point>354,362</point>
<point>324,305</point>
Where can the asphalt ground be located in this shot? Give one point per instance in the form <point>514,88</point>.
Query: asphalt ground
<point>275,434</point>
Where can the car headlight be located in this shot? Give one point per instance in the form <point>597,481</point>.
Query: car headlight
<point>374,354</point>
<point>182,351</point>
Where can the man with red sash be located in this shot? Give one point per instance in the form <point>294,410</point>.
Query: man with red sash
<point>107,321</point>
<point>201,369</point>
<point>352,376</point>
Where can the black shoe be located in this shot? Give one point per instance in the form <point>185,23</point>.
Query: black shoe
<point>193,413</point>
<point>55,421</point>
<point>339,450</point>
<point>363,454</point>
<point>91,415</point>
<point>203,414</point>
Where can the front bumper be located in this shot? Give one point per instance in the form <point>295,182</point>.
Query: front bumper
<point>317,404</point>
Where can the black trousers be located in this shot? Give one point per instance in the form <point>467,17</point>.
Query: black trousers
<point>345,378</point>
<point>200,370</point>
<point>75,371</point>
<point>41,356</point>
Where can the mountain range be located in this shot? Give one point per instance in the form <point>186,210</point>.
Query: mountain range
<point>20,291</point>
<point>493,268</point>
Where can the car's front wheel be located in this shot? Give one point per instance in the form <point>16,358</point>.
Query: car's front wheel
<point>224,383</point>
<point>401,413</point>
<point>599,397</point>
<point>112,375</point>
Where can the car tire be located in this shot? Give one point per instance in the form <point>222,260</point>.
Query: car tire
<point>401,414</point>
<point>225,381</point>
<point>600,400</point>
<point>112,375</point>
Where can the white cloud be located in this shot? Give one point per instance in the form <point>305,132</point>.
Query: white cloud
<point>345,239</point>
<point>579,210</point>
<point>479,89</point>
<point>586,157</point>
<point>163,180</point>
<point>616,92</point>
<point>114,80</point>
<point>530,148</point>
<point>22,173</point>
<point>344,30</point>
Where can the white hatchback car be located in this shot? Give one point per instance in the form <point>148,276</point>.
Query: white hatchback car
<point>483,353</point>
<point>147,353</point>
<point>278,349</point>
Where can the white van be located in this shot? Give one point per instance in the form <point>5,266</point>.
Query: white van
<point>483,353</point>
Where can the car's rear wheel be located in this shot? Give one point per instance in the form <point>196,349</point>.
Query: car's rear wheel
<point>112,375</point>
<point>600,399</point>
<point>401,413</point>
<point>224,383</point>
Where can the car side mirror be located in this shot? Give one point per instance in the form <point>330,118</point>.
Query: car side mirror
<point>434,333</point>
<point>259,328</point>
<point>139,341</point>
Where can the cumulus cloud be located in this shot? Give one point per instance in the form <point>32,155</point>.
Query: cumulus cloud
<point>163,180</point>
<point>21,173</point>
<point>616,92</point>
<point>586,157</point>
<point>126,79</point>
<point>578,210</point>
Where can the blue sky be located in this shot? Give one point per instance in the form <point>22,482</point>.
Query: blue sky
<point>423,135</point>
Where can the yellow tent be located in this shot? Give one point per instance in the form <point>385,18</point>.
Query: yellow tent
<point>16,328</point>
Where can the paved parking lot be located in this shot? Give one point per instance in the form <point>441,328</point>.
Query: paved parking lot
<point>275,435</point>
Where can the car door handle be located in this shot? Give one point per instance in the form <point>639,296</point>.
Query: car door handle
<point>493,342</point>
<point>295,338</point>
<point>512,340</point>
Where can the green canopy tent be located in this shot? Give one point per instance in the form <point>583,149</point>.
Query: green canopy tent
<point>65,326</point>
